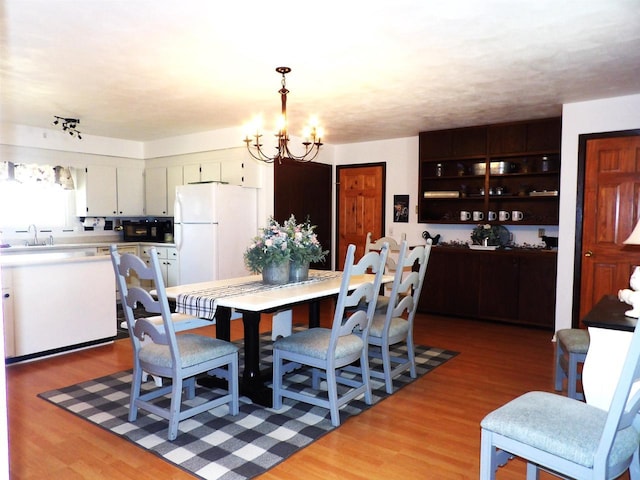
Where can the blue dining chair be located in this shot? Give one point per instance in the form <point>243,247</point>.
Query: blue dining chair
<point>328,350</point>
<point>158,351</point>
<point>565,436</point>
<point>394,325</point>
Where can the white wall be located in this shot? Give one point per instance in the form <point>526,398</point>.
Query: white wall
<point>605,115</point>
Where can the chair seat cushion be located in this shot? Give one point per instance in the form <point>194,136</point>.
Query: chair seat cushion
<point>399,326</point>
<point>559,425</point>
<point>574,340</point>
<point>314,343</point>
<point>194,349</point>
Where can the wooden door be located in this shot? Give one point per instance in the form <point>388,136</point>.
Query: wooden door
<point>610,211</point>
<point>304,190</point>
<point>360,207</point>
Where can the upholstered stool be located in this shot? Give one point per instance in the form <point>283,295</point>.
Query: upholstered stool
<point>572,345</point>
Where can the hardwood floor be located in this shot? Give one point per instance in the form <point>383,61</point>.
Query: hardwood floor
<point>428,430</point>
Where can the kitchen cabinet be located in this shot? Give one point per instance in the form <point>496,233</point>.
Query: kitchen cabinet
<point>7,313</point>
<point>160,189</point>
<point>514,286</point>
<point>168,258</point>
<point>106,191</point>
<point>203,172</point>
<point>54,310</point>
<point>510,167</point>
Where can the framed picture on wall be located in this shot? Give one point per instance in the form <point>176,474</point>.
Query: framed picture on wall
<point>401,208</point>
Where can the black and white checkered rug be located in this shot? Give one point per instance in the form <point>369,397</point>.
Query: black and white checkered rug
<point>215,445</point>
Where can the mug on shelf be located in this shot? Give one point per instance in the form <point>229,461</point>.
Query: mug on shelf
<point>503,216</point>
<point>491,215</point>
<point>477,216</point>
<point>517,215</point>
<point>464,215</point>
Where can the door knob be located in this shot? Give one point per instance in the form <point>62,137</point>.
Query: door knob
<point>588,253</point>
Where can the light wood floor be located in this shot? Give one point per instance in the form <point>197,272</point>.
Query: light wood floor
<point>428,430</point>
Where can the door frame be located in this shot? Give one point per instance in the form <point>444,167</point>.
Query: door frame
<point>339,168</point>
<point>577,259</point>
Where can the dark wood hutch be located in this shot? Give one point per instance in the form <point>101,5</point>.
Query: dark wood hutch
<point>510,167</point>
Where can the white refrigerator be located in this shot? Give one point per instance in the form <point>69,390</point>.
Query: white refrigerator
<point>214,223</point>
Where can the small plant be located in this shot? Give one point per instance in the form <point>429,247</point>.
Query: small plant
<point>303,242</point>
<point>486,235</point>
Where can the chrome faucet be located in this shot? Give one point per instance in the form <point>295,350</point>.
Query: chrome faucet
<point>35,233</point>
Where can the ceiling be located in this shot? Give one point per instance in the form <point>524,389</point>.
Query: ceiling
<point>151,69</point>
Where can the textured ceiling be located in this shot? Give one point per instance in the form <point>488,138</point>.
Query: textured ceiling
<point>150,69</point>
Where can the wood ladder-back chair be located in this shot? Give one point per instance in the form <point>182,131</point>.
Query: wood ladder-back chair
<point>567,437</point>
<point>328,350</point>
<point>395,324</point>
<point>392,260</point>
<point>176,357</point>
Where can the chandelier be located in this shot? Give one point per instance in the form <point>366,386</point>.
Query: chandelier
<point>68,125</point>
<point>312,134</point>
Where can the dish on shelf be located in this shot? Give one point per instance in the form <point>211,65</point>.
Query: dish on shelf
<point>483,247</point>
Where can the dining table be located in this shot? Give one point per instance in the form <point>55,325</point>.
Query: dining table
<point>248,296</point>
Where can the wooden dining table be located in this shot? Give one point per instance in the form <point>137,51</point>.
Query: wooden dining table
<point>248,296</point>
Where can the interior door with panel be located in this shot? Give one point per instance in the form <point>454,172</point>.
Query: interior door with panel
<point>360,207</point>
<point>611,209</point>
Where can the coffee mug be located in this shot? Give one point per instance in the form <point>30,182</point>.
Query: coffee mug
<point>477,216</point>
<point>503,216</point>
<point>516,215</point>
<point>464,215</point>
<point>491,216</point>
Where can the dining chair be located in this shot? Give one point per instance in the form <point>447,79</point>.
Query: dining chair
<point>328,350</point>
<point>565,436</point>
<point>572,345</point>
<point>395,324</point>
<point>391,263</point>
<point>158,351</point>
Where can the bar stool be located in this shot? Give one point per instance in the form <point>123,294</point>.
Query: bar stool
<point>572,345</point>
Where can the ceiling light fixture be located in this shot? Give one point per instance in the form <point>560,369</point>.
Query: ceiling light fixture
<point>68,125</point>
<point>312,134</point>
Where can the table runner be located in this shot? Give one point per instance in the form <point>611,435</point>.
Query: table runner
<point>203,303</point>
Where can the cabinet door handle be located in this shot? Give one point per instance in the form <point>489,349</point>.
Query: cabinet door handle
<point>588,253</point>
<point>6,295</point>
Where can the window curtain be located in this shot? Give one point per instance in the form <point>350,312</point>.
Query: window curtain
<point>31,173</point>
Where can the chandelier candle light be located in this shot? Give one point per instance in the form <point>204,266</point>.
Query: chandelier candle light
<point>312,134</point>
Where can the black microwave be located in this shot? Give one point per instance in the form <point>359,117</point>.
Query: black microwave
<point>152,231</point>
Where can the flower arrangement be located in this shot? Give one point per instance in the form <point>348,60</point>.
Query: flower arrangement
<point>486,235</point>
<point>271,246</point>
<point>303,242</point>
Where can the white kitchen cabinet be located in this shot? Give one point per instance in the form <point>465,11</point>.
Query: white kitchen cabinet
<point>7,313</point>
<point>239,169</point>
<point>202,172</point>
<point>130,191</point>
<point>168,258</point>
<point>54,308</point>
<point>160,189</point>
<point>105,191</point>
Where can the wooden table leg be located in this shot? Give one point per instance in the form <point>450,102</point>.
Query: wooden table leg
<point>252,385</point>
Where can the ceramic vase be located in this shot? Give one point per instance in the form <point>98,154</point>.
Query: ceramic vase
<point>298,272</point>
<point>276,273</point>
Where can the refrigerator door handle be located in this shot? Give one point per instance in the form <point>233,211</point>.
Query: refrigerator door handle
<point>177,212</point>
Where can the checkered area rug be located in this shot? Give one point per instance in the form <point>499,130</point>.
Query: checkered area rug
<point>213,444</point>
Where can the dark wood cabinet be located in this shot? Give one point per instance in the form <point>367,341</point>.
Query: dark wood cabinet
<point>513,166</point>
<point>514,286</point>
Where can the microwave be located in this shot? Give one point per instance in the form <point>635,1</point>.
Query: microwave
<point>151,231</point>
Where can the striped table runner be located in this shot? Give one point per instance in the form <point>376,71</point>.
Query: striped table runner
<point>203,303</point>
